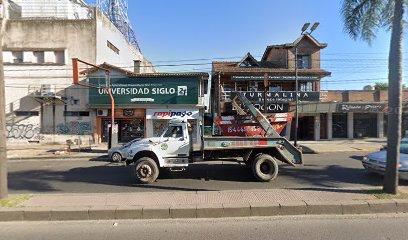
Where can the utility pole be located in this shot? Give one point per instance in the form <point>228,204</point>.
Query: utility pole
<point>3,150</point>
<point>304,28</point>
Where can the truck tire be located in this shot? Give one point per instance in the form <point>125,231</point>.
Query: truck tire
<point>264,168</point>
<point>146,170</point>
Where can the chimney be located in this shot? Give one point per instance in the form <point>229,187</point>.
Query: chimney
<point>136,66</point>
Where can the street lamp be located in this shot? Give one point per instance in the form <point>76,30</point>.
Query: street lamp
<point>304,29</point>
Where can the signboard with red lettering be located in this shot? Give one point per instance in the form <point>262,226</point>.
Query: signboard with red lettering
<point>172,113</point>
<point>243,126</point>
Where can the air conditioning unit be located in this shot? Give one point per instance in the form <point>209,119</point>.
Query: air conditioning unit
<point>102,112</point>
<point>47,90</point>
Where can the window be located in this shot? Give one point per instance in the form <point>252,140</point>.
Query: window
<point>26,113</point>
<point>303,62</point>
<point>112,47</point>
<point>253,86</point>
<point>226,90</point>
<point>59,57</point>
<point>76,114</point>
<point>174,132</point>
<point>38,57</point>
<point>306,86</point>
<point>17,56</point>
<point>275,87</point>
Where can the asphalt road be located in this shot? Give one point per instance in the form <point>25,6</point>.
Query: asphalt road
<point>326,170</point>
<point>367,227</point>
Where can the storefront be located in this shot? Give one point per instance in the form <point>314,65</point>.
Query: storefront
<point>144,103</point>
<point>344,120</point>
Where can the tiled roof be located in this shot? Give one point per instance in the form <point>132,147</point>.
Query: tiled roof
<point>132,74</point>
<point>231,67</point>
<point>291,45</point>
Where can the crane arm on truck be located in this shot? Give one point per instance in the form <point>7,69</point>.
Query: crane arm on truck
<point>255,113</point>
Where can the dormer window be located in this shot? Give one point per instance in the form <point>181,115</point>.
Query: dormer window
<point>303,62</point>
<point>248,61</point>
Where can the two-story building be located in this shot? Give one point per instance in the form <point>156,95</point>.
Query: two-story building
<point>276,72</point>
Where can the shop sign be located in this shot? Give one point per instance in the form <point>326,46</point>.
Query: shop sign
<point>272,107</point>
<point>280,96</point>
<point>128,112</point>
<point>274,78</point>
<point>361,107</point>
<point>165,90</point>
<point>244,127</point>
<point>172,113</point>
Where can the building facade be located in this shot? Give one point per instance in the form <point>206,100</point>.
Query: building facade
<point>352,114</point>
<point>145,103</point>
<point>42,36</point>
<point>272,81</point>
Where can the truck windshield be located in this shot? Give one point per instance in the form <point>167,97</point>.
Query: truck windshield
<point>174,132</point>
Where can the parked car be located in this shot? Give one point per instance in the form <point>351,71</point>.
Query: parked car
<point>376,162</point>
<point>117,154</point>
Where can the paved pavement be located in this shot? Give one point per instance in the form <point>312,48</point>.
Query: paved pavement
<point>330,183</point>
<point>326,170</point>
<point>345,145</point>
<point>366,227</point>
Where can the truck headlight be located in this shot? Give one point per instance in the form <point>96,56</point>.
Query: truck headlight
<point>365,158</point>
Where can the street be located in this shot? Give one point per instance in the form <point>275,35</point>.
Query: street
<point>305,227</point>
<point>327,170</point>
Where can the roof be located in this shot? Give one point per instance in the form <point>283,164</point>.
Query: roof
<point>231,68</point>
<point>291,45</point>
<point>248,59</point>
<point>132,74</point>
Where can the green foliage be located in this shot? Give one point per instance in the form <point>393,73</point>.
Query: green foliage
<point>363,18</point>
<point>384,86</point>
<point>381,86</point>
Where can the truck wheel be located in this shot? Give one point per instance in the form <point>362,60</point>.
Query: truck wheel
<point>146,170</point>
<point>264,168</point>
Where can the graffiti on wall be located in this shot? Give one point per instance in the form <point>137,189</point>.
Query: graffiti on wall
<point>74,128</point>
<point>22,131</point>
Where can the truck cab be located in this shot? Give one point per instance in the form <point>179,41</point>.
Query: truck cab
<point>171,150</point>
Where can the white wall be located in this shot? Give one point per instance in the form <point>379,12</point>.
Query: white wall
<point>106,31</point>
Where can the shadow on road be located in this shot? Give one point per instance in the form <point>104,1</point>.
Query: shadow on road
<point>202,177</point>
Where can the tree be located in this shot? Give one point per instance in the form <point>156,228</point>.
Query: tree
<point>362,18</point>
<point>381,86</point>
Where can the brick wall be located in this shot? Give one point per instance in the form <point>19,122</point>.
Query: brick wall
<point>360,96</point>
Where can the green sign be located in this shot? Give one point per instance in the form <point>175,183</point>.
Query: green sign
<point>160,90</point>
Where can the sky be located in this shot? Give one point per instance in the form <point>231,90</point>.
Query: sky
<point>172,31</point>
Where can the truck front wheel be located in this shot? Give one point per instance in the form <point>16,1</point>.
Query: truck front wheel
<point>146,170</point>
<point>264,168</point>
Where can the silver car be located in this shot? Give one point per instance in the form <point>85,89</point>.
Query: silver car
<point>118,154</point>
<point>376,162</point>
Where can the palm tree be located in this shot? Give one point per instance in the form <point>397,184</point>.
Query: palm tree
<point>362,18</point>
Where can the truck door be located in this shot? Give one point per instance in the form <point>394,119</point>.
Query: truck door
<point>175,142</point>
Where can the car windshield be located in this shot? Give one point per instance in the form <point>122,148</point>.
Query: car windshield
<point>174,132</point>
<point>130,143</point>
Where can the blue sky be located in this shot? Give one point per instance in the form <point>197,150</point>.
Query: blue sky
<point>207,29</point>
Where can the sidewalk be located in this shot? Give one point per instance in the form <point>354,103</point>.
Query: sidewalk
<point>344,145</point>
<point>161,205</point>
<point>48,151</point>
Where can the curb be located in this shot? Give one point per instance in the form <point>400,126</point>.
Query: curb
<point>204,211</point>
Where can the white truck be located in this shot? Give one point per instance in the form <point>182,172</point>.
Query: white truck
<point>174,149</point>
